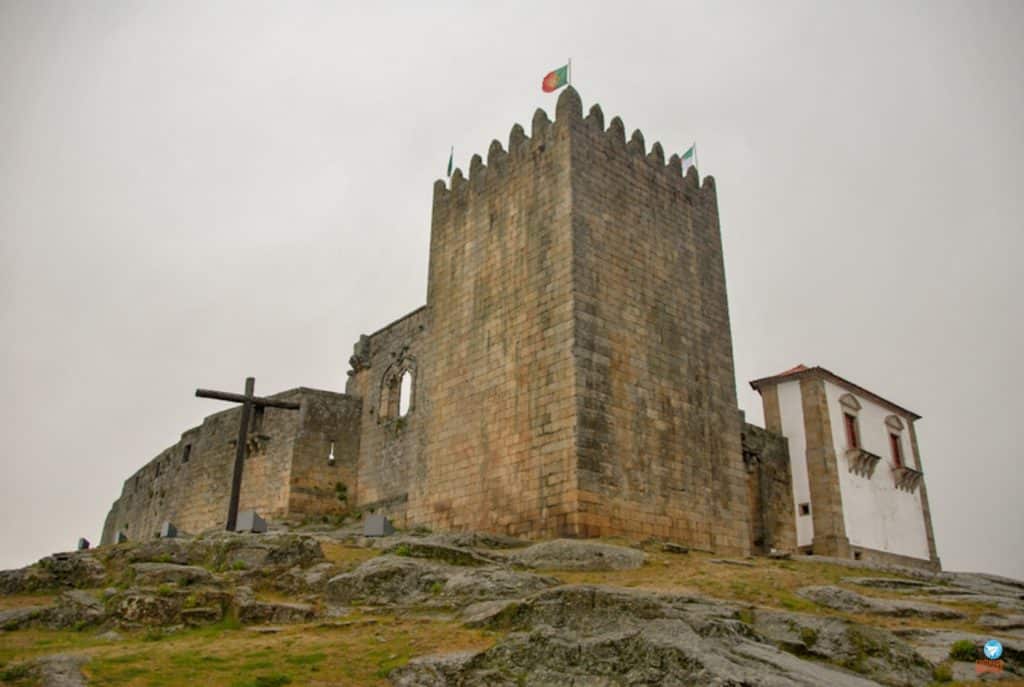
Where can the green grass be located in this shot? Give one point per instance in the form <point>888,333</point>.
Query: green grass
<point>963,650</point>
<point>16,674</point>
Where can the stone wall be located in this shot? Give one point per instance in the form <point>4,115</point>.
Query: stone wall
<point>659,432</point>
<point>497,387</point>
<point>391,445</point>
<point>769,491</point>
<point>189,483</point>
<point>326,418</point>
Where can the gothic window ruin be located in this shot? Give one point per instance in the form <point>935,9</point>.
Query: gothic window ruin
<point>405,394</point>
<point>398,391</point>
<point>186,453</point>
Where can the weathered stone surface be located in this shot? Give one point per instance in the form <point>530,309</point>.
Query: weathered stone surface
<point>147,607</point>
<point>402,580</point>
<point>177,550</point>
<point>61,670</point>
<point>492,583</point>
<point>575,554</point>
<point>445,553</point>
<point>870,651</point>
<point>488,613</point>
<point>592,636</point>
<point>1001,622</point>
<point>262,612</point>
<point>135,607</point>
<point>846,600</point>
<point>75,608</point>
<point>153,574</point>
<point>731,561</point>
<point>76,570</point>
<point>299,580</point>
<point>387,579</point>
<point>14,618</point>
<point>201,615</point>
<point>898,584</point>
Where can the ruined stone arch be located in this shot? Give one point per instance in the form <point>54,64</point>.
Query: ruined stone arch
<point>393,403</point>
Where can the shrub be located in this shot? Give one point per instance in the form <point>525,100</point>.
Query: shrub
<point>809,636</point>
<point>963,650</point>
<point>942,673</point>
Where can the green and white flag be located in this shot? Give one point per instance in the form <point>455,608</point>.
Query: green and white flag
<point>689,158</point>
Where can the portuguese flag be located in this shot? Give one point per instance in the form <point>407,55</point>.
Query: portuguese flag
<point>689,158</point>
<point>555,79</point>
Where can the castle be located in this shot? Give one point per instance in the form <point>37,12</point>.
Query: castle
<point>571,374</point>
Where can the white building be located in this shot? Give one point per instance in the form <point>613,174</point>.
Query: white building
<point>858,482</point>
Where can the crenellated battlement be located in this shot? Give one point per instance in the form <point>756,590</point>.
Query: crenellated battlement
<point>573,129</point>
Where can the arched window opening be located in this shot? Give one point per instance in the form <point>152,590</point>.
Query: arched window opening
<point>404,394</point>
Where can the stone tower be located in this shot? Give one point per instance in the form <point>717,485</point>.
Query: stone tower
<point>571,373</point>
<point>574,359</point>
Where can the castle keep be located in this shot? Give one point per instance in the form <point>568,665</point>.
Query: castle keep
<point>571,373</point>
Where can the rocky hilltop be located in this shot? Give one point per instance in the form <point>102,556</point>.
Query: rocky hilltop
<point>330,607</point>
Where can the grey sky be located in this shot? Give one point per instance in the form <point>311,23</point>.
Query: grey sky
<point>191,193</point>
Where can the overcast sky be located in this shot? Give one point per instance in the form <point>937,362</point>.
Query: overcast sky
<point>194,192</point>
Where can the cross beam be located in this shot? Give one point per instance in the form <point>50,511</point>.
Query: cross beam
<point>248,401</point>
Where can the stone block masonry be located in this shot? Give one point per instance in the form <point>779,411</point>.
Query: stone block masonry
<point>286,472</point>
<point>571,373</point>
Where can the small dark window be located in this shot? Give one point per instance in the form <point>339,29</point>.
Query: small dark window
<point>186,453</point>
<point>856,555</point>
<point>897,453</point>
<point>851,431</point>
<point>805,509</point>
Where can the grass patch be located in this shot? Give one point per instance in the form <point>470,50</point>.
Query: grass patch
<point>16,674</point>
<point>275,680</point>
<point>357,652</point>
<point>26,600</point>
<point>963,650</point>
<point>306,659</point>
<point>942,673</point>
<point>346,557</point>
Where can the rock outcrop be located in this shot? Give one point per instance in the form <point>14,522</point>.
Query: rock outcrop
<point>575,554</point>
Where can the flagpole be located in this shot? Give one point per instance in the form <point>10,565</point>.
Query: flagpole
<point>568,77</point>
<point>695,157</point>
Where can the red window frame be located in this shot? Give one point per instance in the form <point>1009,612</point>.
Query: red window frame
<point>897,449</point>
<point>852,440</point>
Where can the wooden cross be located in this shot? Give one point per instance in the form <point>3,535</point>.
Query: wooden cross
<point>248,402</point>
